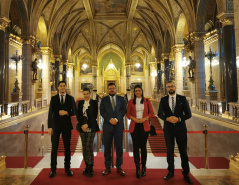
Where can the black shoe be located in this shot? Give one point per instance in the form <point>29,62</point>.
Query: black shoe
<point>90,171</point>
<point>85,171</point>
<point>120,171</point>
<point>69,172</point>
<point>138,174</point>
<point>106,171</point>
<point>188,179</point>
<point>169,176</point>
<point>52,173</point>
<point>143,171</point>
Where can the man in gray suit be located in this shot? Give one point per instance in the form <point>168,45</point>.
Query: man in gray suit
<point>113,109</point>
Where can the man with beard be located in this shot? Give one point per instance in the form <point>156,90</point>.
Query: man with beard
<point>174,110</point>
<point>113,109</point>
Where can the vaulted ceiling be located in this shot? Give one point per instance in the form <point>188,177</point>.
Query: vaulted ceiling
<point>95,23</point>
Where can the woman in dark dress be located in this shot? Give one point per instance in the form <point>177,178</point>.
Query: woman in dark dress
<point>87,127</point>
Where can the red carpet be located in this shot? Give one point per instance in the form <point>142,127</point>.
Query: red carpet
<point>18,161</point>
<point>99,161</point>
<point>74,140</point>
<point>157,143</point>
<point>153,177</point>
<point>214,162</point>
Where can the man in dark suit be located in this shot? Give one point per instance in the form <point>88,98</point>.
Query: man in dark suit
<point>62,107</point>
<point>113,109</point>
<point>174,110</point>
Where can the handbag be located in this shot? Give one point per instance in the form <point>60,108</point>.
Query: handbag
<point>152,131</point>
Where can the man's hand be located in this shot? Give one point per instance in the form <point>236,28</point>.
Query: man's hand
<point>63,112</point>
<point>50,131</point>
<point>84,128</point>
<point>113,121</point>
<point>172,119</point>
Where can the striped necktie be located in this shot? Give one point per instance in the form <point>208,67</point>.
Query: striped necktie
<point>173,105</point>
<point>113,103</point>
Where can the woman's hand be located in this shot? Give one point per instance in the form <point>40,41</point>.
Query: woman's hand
<point>84,128</point>
<point>142,120</point>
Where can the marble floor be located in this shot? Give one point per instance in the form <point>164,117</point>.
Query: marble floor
<point>18,176</point>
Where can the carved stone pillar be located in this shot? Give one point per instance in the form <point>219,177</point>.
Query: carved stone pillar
<point>199,85</point>
<point>64,78</point>
<point>166,67</point>
<point>128,80</point>
<point>69,77</point>
<point>177,48</point>
<point>3,24</point>
<point>46,55</point>
<point>27,83</point>
<point>229,58</point>
<point>236,22</point>
<point>76,83</point>
<point>57,70</point>
<point>153,76</point>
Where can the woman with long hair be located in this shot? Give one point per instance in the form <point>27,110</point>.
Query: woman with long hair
<point>139,110</point>
<point>87,127</point>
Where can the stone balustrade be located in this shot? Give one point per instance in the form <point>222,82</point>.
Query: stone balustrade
<point>202,105</point>
<point>233,111</point>
<point>215,108</point>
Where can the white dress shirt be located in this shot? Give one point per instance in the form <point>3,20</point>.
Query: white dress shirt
<point>64,97</point>
<point>139,108</point>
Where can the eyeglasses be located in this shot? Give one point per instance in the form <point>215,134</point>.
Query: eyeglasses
<point>111,88</point>
<point>172,86</point>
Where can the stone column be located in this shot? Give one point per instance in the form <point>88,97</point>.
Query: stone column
<point>69,78</point>
<point>229,58</point>
<point>64,75</point>
<point>27,83</point>
<point>199,69</point>
<point>153,76</point>
<point>57,70</point>
<point>46,55</point>
<point>165,57</point>
<point>128,80</point>
<point>76,78</point>
<point>236,22</point>
<point>3,24</point>
<point>177,48</point>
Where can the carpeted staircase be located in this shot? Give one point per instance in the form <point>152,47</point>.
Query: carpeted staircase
<point>157,143</point>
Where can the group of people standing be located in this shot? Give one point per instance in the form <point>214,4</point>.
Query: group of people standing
<point>113,108</point>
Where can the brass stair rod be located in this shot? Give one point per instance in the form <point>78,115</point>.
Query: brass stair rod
<point>26,145</point>
<point>206,147</point>
<point>112,154</point>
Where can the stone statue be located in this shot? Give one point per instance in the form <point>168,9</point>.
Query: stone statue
<point>191,67</point>
<point>34,69</point>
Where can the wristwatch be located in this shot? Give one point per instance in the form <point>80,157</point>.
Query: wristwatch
<point>179,119</point>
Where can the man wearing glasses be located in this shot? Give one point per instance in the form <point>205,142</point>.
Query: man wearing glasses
<point>113,109</point>
<point>174,110</point>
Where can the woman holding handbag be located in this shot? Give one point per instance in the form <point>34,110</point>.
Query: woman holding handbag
<point>87,127</point>
<point>139,110</point>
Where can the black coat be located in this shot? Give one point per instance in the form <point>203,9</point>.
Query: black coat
<point>182,110</point>
<point>92,113</point>
<point>55,121</point>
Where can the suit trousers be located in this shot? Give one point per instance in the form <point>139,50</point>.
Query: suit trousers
<point>139,138</point>
<point>118,143</point>
<point>66,135</point>
<point>87,139</point>
<point>181,139</point>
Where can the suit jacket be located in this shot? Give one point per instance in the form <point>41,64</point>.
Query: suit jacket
<point>148,111</point>
<point>107,113</point>
<point>55,121</point>
<point>182,110</point>
<point>92,113</point>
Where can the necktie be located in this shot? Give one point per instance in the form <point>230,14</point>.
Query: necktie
<point>62,99</point>
<point>173,106</point>
<point>113,102</point>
